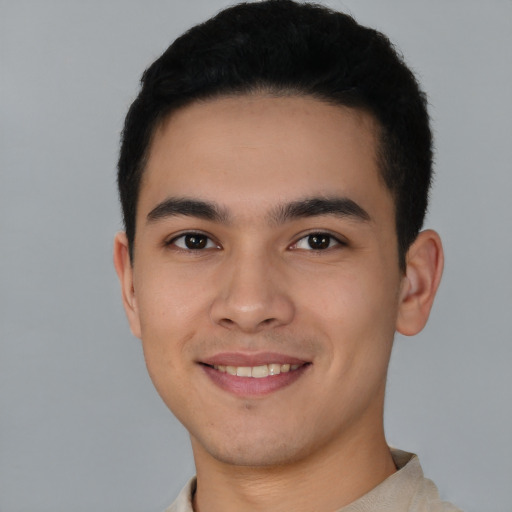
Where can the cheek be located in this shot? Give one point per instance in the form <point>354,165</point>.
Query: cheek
<point>167,323</point>
<point>350,298</point>
<point>356,313</point>
<point>171,310</point>
<point>169,302</point>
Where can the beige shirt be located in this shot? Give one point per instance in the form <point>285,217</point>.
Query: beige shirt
<point>407,490</point>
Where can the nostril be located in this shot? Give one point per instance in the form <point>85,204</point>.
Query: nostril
<point>251,311</point>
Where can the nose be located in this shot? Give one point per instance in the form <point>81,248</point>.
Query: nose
<point>251,295</point>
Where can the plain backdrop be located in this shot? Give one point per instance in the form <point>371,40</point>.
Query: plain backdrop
<point>81,427</point>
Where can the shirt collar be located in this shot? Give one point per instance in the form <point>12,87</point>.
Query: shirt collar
<point>402,491</point>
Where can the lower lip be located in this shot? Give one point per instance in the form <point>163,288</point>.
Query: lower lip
<point>253,387</point>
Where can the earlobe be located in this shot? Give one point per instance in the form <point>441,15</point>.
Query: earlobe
<point>124,269</point>
<point>423,274</point>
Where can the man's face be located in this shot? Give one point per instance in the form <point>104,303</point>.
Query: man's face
<point>265,243</point>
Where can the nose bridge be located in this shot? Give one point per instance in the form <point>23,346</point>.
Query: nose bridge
<point>251,292</point>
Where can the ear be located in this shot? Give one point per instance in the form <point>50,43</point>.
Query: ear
<point>124,269</point>
<point>424,267</point>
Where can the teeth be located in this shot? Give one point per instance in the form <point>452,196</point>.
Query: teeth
<point>229,369</point>
<point>257,372</point>
<point>274,369</point>
<point>243,371</point>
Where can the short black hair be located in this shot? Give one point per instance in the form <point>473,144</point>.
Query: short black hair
<point>286,47</point>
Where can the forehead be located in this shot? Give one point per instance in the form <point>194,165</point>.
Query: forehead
<point>249,152</point>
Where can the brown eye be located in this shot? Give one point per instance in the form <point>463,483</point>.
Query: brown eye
<point>319,241</point>
<point>193,242</point>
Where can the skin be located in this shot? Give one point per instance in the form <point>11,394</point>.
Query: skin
<point>257,286</point>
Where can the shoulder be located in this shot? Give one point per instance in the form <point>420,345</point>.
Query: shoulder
<point>183,502</point>
<point>407,490</point>
<point>424,496</point>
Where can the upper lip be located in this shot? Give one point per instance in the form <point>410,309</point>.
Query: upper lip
<point>251,359</point>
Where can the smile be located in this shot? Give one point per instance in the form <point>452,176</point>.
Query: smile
<point>249,376</point>
<point>257,372</point>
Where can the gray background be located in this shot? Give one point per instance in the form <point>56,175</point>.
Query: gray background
<point>81,427</point>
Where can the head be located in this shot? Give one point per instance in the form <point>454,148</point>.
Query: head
<point>274,173</point>
<point>283,48</point>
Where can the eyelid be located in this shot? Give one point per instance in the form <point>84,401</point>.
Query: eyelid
<point>171,241</point>
<point>340,241</point>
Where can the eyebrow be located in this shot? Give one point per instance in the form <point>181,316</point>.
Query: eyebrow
<point>310,207</point>
<point>175,206</point>
<point>316,206</point>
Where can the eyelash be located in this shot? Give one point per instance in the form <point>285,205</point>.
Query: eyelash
<point>321,235</point>
<point>210,244</point>
<point>332,241</point>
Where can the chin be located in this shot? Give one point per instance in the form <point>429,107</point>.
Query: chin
<point>249,457</point>
<point>256,451</point>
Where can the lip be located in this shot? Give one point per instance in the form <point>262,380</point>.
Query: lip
<point>248,359</point>
<point>249,387</point>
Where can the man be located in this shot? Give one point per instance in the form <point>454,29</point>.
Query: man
<point>274,175</point>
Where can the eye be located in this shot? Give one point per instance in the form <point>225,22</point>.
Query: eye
<point>193,242</point>
<point>317,242</point>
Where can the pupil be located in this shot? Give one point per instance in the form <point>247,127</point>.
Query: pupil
<point>195,241</point>
<point>319,241</point>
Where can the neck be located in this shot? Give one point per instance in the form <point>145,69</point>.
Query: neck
<point>325,481</point>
